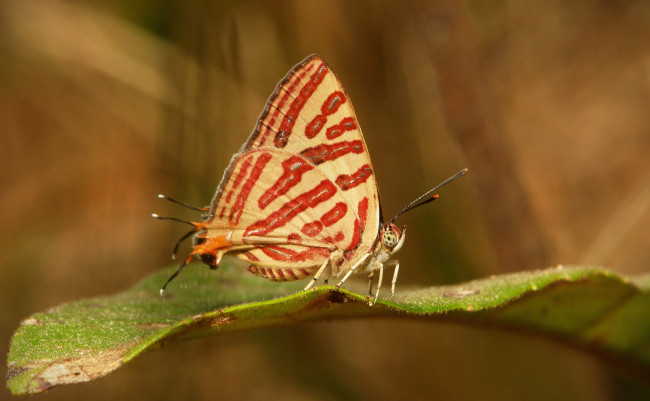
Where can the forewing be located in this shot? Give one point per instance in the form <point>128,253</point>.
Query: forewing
<point>304,179</point>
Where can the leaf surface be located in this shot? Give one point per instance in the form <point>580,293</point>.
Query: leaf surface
<point>588,308</point>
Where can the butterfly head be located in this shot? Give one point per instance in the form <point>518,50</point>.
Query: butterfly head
<point>392,238</point>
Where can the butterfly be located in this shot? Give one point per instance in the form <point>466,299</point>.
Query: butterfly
<point>300,197</point>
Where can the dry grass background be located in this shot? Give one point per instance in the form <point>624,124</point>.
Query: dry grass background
<point>104,104</point>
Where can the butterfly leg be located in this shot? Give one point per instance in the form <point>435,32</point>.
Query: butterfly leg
<point>318,274</point>
<point>336,255</point>
<point>392,288</point>
<point>381,277</point>
<point>370,276</point>
<point>353,268</point>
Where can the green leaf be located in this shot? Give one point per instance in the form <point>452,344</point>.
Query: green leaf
<point>591,309</point>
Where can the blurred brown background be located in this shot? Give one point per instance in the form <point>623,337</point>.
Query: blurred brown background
<point>104,104</point>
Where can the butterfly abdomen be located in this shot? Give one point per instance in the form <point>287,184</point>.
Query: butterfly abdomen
<point>282,273</point>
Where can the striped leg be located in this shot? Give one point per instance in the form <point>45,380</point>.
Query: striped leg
<point>381,278</point>
<point>353,268</point>
<point>392,288</point>
<point>318,274</point>
<point>370,276</point>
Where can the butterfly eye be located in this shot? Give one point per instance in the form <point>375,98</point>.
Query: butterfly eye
<point>389,239</point>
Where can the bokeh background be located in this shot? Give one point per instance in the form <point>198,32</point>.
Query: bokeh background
<point>104,104</point>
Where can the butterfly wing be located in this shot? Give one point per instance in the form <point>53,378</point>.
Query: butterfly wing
<point>302,186</point>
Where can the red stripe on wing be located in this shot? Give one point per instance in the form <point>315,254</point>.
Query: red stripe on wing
<point>267,128</point>
<point>313,128</point>
<point>294,238</point>
<point>335,214</point>
<point>332,103</point>
<point>294,167</point>
<point>347,124</point>
<point>348,181</point>
<point>327,152</point>
<point>322,192</point>
<point>328,219</point>
<point>329,106</point>
<point>359,224</point>
<point>312,229</point>
<point>280,273</point>
<point>291,273</point>
<point>236,181</point>
<point>282,254</point>
<point>284,132</point>
<point>238,205</point>
<point>337,238</point>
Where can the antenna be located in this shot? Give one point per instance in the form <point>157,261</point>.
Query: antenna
<point>182,266</point>
<point>417,203</point>
<point>178,243</point>
<point>154,215</point>
<point>183,238</point>
<point>188,234</point>
<point>198,209</point>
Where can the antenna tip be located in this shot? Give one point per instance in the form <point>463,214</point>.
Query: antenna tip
<point>162,292</point>
<point>434,197</point>
<point>161,196</point>
<point>155,216</point>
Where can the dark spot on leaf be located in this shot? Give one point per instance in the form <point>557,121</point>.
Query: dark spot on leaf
<point>17,371</point>
<point>336,297</point>
<point>44,384</point>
